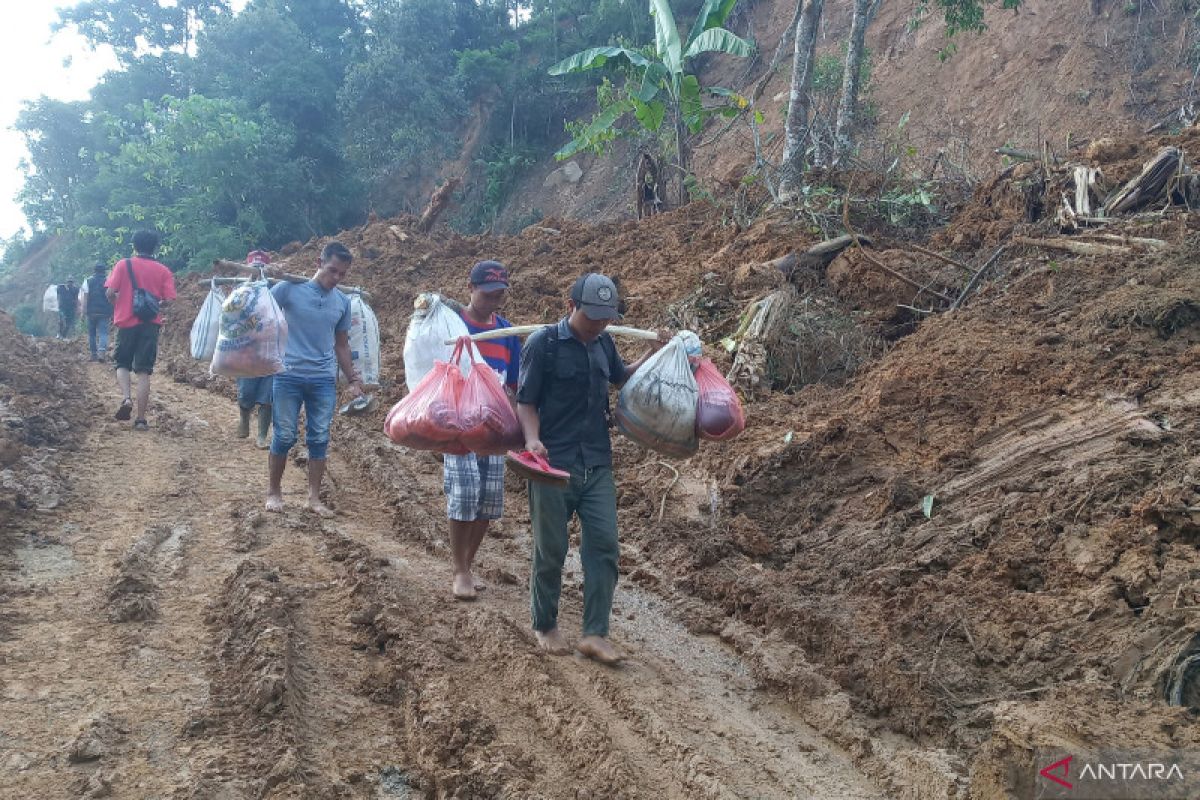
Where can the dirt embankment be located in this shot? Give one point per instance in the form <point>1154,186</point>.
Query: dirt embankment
<point>986,533</point>
<point>41,412</point>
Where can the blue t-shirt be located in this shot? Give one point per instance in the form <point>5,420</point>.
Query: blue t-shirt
<point>502,355</point>
<point>313,315</point>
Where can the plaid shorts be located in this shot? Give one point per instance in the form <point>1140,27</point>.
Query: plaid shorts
<point>474,487</point>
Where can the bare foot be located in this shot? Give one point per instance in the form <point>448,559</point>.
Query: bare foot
<point>320,509</point>
<point>552,642</point>
<point>274,503</point>
<point>599,649</point>
<point>464,586</point>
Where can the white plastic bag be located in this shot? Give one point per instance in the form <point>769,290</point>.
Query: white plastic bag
<point>433,324</point>
<point>50,299</point>
<point>364,341</point>
<point>207,326</point>
<point>657,406</point>
<point>253,334</point>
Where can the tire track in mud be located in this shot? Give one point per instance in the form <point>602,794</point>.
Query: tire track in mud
<point>293,657</point>
<point>666,726</point>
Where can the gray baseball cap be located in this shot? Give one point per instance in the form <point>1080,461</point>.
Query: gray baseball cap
<point>596,296</point>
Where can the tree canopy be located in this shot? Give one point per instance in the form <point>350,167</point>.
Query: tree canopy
<point>295,118</point>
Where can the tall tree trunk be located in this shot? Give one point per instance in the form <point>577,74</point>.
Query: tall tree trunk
<point>796,127</point>
<point>863,11</point>
<point>681,152</point>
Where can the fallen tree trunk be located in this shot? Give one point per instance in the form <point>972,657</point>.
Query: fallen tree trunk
<point>1071,246</point>
<point>437,204</point>
<point>1148,186</point>
<point>1137,241</point>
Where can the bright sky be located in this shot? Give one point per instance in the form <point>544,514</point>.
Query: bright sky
<point>36,63</point>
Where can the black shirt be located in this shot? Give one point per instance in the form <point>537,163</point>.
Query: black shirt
<point>97,298</point>
<point>571,394</point>
<point>68,299</point>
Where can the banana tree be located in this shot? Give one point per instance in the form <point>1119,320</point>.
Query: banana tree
<point>661,84</point>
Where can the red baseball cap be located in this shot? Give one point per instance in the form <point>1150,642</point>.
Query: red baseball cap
<point>258,257</point>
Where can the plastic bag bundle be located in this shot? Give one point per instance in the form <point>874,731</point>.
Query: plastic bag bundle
<point>427,419</point>
<point>253,333</point>
<point>364,341</point>
<point>719,415</point>
<point>433,324</point>
<point>207,326</point>
<point>657,406</point>
<point>50,300</point>
<point>489,424</point>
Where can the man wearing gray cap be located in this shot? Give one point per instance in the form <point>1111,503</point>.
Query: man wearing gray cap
<point>562,402</point>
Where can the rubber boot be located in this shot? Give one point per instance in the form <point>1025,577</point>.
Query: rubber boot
<point>264,426</point>
<point>243,430</point>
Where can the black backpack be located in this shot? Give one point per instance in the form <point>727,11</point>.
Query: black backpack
<point>145,305</point>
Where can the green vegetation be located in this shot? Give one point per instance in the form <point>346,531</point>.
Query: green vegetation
<point>29,320</point>
<point>295,118</point>
<point>658,83</point>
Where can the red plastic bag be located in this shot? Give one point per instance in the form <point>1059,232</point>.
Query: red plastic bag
<point>719,414</point>
<point>489,424</point>
<point>428,418</point>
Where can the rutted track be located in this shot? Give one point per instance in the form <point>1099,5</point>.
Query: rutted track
<point>288,657</point>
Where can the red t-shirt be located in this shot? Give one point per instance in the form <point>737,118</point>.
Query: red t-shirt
<point>151,276</point>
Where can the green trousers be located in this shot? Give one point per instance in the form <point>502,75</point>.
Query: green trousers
<point>593,496</point>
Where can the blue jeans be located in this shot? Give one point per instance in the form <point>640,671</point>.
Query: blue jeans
<point>98,334</point>
<point>318,396</point>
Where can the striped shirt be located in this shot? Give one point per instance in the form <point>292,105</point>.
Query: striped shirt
<point>502,355</point>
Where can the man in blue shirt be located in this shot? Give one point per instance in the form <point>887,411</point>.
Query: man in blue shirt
<point>474,484</point>
<point>318,342</point>
<point>562,402</point>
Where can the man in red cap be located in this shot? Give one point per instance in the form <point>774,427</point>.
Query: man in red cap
<point>474,484</point>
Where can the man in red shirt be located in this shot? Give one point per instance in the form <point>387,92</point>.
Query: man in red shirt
<point>137,341</point>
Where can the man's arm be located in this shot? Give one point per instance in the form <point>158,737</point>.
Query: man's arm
<point>664,336</point>
<point>529,392</point>
<point>531,426</point>
<point>341,349</point>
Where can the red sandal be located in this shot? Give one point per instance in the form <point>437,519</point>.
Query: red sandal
<point>535,468</point>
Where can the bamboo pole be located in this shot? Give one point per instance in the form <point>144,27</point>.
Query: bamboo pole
<point>525,330</point>
<point>276,277</point>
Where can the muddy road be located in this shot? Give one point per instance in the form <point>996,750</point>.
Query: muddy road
<point>167,639</point>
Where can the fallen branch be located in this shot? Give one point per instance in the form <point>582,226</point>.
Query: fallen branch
<point>976,277</point>
<point>662,506</point>
<point>878,264</point>
<point>981,700</point>
<point>940,257</point>
<point>1022,155</point>
<point>1071,246</point>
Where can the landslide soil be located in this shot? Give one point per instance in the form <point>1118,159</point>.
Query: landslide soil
<point>983,541</point>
